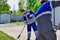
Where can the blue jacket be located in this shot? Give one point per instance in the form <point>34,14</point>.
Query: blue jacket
<point>29,17</point>
<point>43,17</point>
<point>43,9</point>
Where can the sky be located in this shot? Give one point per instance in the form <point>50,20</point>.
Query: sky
<point>13,3</point>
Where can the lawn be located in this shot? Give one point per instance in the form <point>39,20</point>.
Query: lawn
<point>4,36</point>
<point>21,23</point>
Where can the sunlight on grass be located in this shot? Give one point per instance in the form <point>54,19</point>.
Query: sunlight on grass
<point>21,23</point>
<point>4,36</point>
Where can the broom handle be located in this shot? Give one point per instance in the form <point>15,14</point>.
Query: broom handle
<point>22,30</point>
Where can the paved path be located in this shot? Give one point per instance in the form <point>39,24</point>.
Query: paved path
<point>14,30</point>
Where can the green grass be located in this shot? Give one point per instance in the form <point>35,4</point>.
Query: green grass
<point>18,23</point>
<point>4,36</point>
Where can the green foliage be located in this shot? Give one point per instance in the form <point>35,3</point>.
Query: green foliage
<point>33,4</point>
<point>36,6</point>
<point>21,4</point>
<point>18,13</point>
<point>30,4</point>
<point>4,7</point>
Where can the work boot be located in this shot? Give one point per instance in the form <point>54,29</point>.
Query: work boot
<point>28,39</point>
<point>36,39</point>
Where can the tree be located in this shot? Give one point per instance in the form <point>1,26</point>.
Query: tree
<point>4,7</point>
<point>36,6</point>
<point>32,4</point>
<point>22,4</point>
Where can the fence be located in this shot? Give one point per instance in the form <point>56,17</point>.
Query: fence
<point>6,18</point>
<point>17,18</point>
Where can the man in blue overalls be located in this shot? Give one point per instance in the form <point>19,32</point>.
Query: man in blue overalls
<point>43,18</point>
<point>29,19</point>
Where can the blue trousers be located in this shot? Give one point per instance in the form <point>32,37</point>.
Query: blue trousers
<point>33,25</point>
